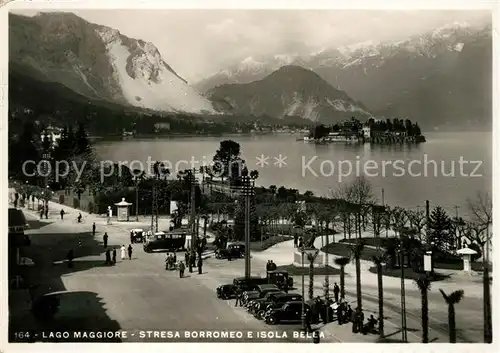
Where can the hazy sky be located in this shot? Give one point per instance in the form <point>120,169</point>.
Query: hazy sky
<point>197,43</point>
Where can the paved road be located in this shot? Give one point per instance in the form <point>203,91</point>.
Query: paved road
<point>140,294</point>
<point>135,294</point>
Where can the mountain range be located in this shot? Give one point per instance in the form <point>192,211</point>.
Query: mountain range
<point>290,91</point>
<point>100,63</point>
<point>442,78</point>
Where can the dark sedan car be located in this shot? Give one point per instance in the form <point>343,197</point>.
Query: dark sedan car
<point>226,291</point>
<point>261,303</point>
<point>234,251</point>
<point>259,292</point>
<point>289,312</point>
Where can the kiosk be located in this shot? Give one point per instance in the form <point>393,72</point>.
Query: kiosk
<point>122,212</point>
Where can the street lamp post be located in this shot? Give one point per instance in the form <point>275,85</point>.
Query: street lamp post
<point>311,254</point>
<point>404,336</point>
<point>248,190</point>
<point>303,313</point>
<point>136,198</point>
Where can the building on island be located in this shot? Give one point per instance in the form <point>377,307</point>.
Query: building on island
<point>162,127</point>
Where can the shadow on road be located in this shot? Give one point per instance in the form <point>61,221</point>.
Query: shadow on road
<point>44,304</point>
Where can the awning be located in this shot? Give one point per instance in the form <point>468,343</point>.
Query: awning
<point>17,221</point>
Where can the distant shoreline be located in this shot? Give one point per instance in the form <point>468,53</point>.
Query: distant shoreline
<point>180,135</point>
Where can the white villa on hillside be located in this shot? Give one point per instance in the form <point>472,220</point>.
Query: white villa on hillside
<point>52,133</point>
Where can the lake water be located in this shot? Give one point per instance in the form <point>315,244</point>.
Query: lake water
<point>399,170</point>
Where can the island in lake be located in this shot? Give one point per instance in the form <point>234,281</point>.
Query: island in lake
<point>377,131</point>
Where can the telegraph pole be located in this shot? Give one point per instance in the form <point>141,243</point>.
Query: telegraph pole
<point>192,218</point>
<point>487,326</point>
<point>404,336</point>
<point>154,206</point>
<point>247,192</point>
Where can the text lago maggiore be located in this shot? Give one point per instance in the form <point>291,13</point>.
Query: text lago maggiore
<point>161,334</point>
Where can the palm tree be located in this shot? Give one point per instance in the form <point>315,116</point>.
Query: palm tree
<point>356,251</point>
<point>378,260</point>
<point>311,258</point>
<point>342,262</point>
<point>424,285</point>
<point>452,299</point>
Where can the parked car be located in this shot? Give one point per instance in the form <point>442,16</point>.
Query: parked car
<point>278,301</point>
<point>241,284</point>
<point>226,291</point>
<point>137,235</point>
<point>235,250</point>
<point>289,312</point>
<point>172,240</point>
<point>259,292</point>
<point>260,304</point>
<point>281,278</point>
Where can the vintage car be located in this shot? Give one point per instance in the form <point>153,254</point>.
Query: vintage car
<point>280,278</point>
<point>226,291</point>
<point>136,236</point>
<point>235,250</point>
<point>174,240</point>
<point>240,284</point>
<point>259,292</point>
<point>261,303</point>
<point>279,300</point>
<point>289,312</point>
<point>246,284</point>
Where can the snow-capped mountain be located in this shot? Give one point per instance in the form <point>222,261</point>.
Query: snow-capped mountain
<point>411,77</point>
<point>100,62</point>
<point>289,91</point>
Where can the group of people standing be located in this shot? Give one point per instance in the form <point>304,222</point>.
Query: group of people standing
<point>189,259</point>
<point>111,254</point>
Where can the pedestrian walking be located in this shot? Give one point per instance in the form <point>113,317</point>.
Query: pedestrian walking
<point>114,256</point>
<point>301,242</point>
<point>354,319</point>
<point>105,239</point>
<point>46,211</point>
<point>174,257</point>
<point>308,320</point>
<point>348,314</point>
<point>132,237</point>
<point>361,321</point>
<point>295,240</point>
<point>239,293</point>
<point>70,257</point>
<point>108,258</point>
<point>182,267</point>
<point>41,213</point>
<point>200,265</point>
<point>62,214</point>
<point>123,252</point>
<point>186,257</point>
<point>336,291</point>
<point>340,314</point>
<point>93,228</point>
<point>79,218</point>
<point>273,266</point>
<point>129,250</point>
